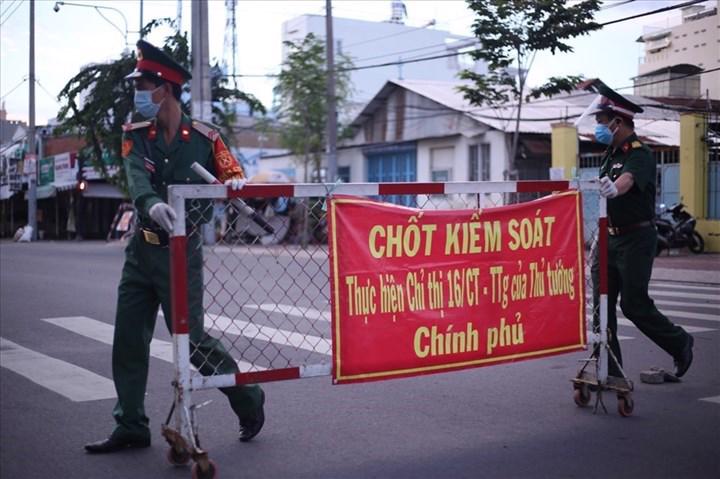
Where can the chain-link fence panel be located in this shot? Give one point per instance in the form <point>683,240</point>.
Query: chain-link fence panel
<point>263,298</point>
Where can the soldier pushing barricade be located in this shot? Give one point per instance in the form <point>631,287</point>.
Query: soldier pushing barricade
<point>158,152</point>
<point>627,181</point>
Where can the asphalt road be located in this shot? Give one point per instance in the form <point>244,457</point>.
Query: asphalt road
<point>506,421</point>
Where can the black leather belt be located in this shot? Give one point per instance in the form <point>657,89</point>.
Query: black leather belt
<point>621,230</point>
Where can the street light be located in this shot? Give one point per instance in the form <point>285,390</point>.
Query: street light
<point>97,8</point>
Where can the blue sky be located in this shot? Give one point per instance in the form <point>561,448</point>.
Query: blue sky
<point>75,36</point>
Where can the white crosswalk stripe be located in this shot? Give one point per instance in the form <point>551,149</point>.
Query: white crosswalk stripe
<point>681,294</point>
<point>290,310</point>
<point>690,329</point>
<point>103,332</point>
<point>73,382</point>
<point>266,333</point>
<point>676,286</point>
<point>78,384</point>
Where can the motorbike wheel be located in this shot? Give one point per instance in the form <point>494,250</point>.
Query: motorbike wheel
<point>697,245</point>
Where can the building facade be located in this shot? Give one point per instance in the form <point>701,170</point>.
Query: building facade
<point>672,52</point>
<point>371,43</point>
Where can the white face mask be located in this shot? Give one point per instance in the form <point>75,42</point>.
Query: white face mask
<point>145,105</point>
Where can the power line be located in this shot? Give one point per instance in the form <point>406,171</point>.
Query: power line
<point>427,47</point>
<point>444,111</point>
<point>11,13</point>
<point>370,40</point>
<point>660,10</point>
<point>452,54</point>
<point>14,88</point>
<point>54,98</point>
<point>8,7</point>
<point>616,4</point>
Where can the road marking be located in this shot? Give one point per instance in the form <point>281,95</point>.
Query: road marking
<point>103,332</point>
<point>689,315</point>
<point>715,399</point>
<point>266,333</point>
<point>290,310</point>
<point>682,294</point>
<point>73,382</point>
<point>713,307</point>
<point>689,329</point>
<point>683,286</point>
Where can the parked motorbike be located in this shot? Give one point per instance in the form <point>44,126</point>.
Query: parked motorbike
<point>676,229</point>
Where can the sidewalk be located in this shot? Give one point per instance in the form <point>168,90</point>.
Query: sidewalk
<point>686,266</point>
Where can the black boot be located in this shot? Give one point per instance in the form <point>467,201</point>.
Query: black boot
<point>250,426</point>
<point>114,444</point>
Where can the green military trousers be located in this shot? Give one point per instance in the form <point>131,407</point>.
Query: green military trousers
<point>143,286</point>
<point>630,260</point>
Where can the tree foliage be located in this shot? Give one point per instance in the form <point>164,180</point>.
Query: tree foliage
<point>98,101</point>
<point>302,91</point>
<point>511,32</point>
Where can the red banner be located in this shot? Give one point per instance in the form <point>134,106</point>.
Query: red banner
<point>423,291</point>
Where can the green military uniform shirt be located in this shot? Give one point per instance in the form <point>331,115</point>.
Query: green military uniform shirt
<point>638,204</point>
<point>151,164</point>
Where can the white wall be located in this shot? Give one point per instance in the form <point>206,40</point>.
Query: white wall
<point>352,39</point>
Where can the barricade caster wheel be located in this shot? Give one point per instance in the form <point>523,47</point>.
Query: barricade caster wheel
<point>178,458</point>
<point>625,405</point>
<point>582,395</point>
<point>211,473</point>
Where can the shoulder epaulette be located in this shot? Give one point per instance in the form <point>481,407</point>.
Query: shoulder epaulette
<point>134,126</point>
<point>636,144</point>
<point>208,132</point>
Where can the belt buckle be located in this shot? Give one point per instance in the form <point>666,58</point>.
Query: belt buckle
<point>150,237</point>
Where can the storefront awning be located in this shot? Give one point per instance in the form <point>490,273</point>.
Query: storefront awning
<point>102,190</point>
<point>49,191</point>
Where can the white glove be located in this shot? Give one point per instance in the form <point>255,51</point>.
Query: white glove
<point>608,188</point>
<point>164,215</point>
<point>235,183</point>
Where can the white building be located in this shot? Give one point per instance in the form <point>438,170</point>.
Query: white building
<point>673,52</point>
<point>371,43</point>
<point>421,131</point>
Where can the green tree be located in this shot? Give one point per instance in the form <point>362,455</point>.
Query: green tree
<point>511,32</point>
<point>98,101</point>
<point>302,92</point>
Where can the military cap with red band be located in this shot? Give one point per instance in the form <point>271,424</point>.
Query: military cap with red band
<point>156,63</point>
<point>609,101</point>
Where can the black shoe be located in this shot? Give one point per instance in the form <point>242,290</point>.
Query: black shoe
<point>250,426</point>
<point>113,444</point>
<point>683,362</point>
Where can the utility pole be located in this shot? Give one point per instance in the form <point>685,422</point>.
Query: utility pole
<point>200,94</point>
<point>31,155</point>
<point>141,19</point>
<point>179,16</point>
<point>331,113</point>
<point>200,84</point>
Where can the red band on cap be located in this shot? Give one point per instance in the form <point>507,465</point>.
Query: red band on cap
<point>161,70</point>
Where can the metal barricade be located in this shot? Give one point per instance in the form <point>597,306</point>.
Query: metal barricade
<point>266,297</point>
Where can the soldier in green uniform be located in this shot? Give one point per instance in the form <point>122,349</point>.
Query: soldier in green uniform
<point>158,152</point>
<point>627,180</point>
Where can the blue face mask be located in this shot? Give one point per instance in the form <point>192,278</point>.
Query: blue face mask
<point>145,105</point>
<point>603,134</point>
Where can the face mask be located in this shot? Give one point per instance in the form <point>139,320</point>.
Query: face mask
<point>145,105</point>
<point>603,133</point>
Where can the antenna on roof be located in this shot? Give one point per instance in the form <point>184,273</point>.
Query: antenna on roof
<point>399,12</point>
